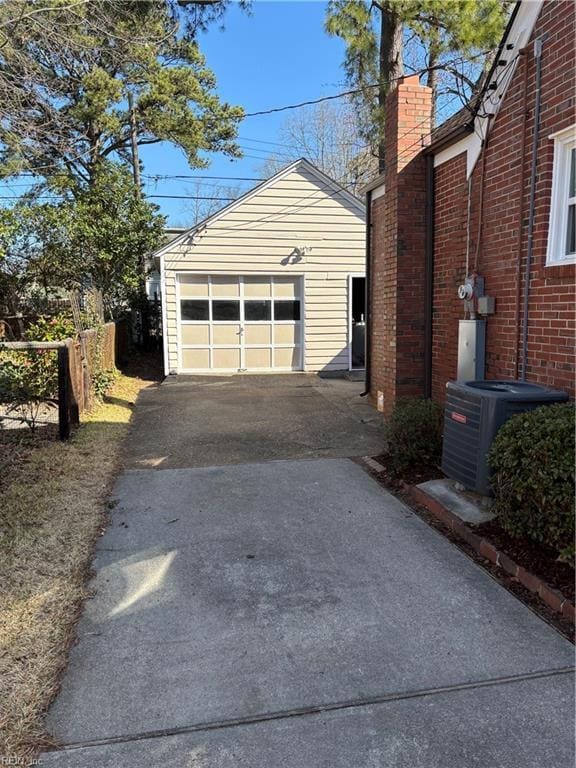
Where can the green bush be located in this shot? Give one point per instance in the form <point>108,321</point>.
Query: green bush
<point>102,380</point>
<point>414,435</point>
<point>55,328</point>
<point>533,462</point>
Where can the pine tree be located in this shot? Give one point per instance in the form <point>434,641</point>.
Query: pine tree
<point>67,73</point>
<point>375,34</point>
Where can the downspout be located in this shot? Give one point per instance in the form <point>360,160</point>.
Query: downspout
<point>428,275</point>
<point>520,218</point>
<point>367,303</point>
<point>530,247</point>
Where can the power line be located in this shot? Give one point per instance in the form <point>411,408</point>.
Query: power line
<point>306,103</point>
<point>354,91</point>
<point>194,197</point>
<point>196,176</point>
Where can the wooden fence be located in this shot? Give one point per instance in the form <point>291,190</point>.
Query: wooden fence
<point>78,359</point>
<point>82,362</point>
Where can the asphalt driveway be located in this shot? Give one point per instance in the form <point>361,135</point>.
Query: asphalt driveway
<point>194,421</point>
<point>291,613</point>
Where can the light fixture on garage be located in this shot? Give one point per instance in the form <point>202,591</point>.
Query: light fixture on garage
<point>296,255</point>
<point>197,235</point>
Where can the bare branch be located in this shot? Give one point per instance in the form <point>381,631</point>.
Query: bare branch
<point>38,11</point>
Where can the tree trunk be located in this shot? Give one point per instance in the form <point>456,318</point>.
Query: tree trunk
<point>432,80</point>
<point>391,67</point>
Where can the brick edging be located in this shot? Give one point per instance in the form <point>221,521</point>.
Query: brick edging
<point>552,597</point>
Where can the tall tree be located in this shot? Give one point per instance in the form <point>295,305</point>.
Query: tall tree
<point>328,135</point>
<point>375,32</point>
<point>66,75</point>
<point>92,240</point>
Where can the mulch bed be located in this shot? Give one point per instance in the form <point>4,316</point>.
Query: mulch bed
<point>539,560</point>
<point>413,477</point>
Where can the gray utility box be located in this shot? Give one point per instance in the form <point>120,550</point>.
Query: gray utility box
<point>473,414</point>
<point>471,349</point>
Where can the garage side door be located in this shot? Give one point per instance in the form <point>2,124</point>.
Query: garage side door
<point>239,323</point>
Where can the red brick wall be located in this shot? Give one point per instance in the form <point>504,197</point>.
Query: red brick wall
<point>450,216</point>
<point>398,235</point>
<point>382,305</point>
<point>503,239</point>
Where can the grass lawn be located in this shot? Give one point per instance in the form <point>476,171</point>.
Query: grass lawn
<point>52,509</point>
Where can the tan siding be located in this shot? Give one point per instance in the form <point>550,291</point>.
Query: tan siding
<point>255,238</point>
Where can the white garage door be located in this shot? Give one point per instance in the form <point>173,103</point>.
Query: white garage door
<point>239,323</point>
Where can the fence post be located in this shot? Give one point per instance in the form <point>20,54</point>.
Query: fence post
<point>74,382</point>
<point>63,394</point>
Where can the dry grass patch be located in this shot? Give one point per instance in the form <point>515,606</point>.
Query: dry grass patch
<point>52,509</point>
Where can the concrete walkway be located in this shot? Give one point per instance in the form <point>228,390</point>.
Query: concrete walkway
<point>291,613</point>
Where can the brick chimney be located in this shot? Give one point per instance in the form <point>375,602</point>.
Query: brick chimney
<point>398,249</point>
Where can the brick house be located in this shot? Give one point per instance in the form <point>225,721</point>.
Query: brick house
<point>465,201</point>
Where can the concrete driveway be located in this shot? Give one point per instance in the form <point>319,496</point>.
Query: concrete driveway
<point>292,613</point>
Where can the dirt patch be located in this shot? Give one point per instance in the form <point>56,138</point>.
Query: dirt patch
<point>52,509</point>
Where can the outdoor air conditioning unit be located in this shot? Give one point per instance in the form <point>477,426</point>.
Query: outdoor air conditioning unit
<point>473,414</point>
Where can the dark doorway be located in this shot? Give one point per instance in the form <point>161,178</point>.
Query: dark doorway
<point>358,325</point>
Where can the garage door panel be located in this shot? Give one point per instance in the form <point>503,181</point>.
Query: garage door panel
<point>194,359</point>
<point>286,287</point>
<point>287,358</point>
<point>258,358</point>
<point>286,334</point>
<point>195,333</point>
<point>193,285</point>
<point>225,286</point>
<point>226,358</point>
<point>258,334</point>
<point>257,287</point>
<point>226,334</point>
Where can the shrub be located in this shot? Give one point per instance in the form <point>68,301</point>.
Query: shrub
<point>533,462</point>
<point>102,380</point>
<point>414,435</point>
<point>56,328</point>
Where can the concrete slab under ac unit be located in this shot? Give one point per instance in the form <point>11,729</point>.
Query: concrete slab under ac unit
<point>469,507</point>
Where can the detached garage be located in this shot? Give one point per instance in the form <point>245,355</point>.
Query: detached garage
<point>273,282</point>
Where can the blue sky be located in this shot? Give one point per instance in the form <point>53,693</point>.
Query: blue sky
<point>278,55</point>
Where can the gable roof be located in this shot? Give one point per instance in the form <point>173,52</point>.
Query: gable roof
<point>327,182</point>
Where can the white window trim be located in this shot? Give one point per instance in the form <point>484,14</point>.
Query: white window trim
<point>564,142</point>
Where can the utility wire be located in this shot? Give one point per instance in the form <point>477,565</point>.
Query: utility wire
<point>156,177</point>
<point>421,139</point>
<point>354,91</point>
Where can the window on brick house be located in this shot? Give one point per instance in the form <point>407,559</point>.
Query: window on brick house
<point>562,230</point>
